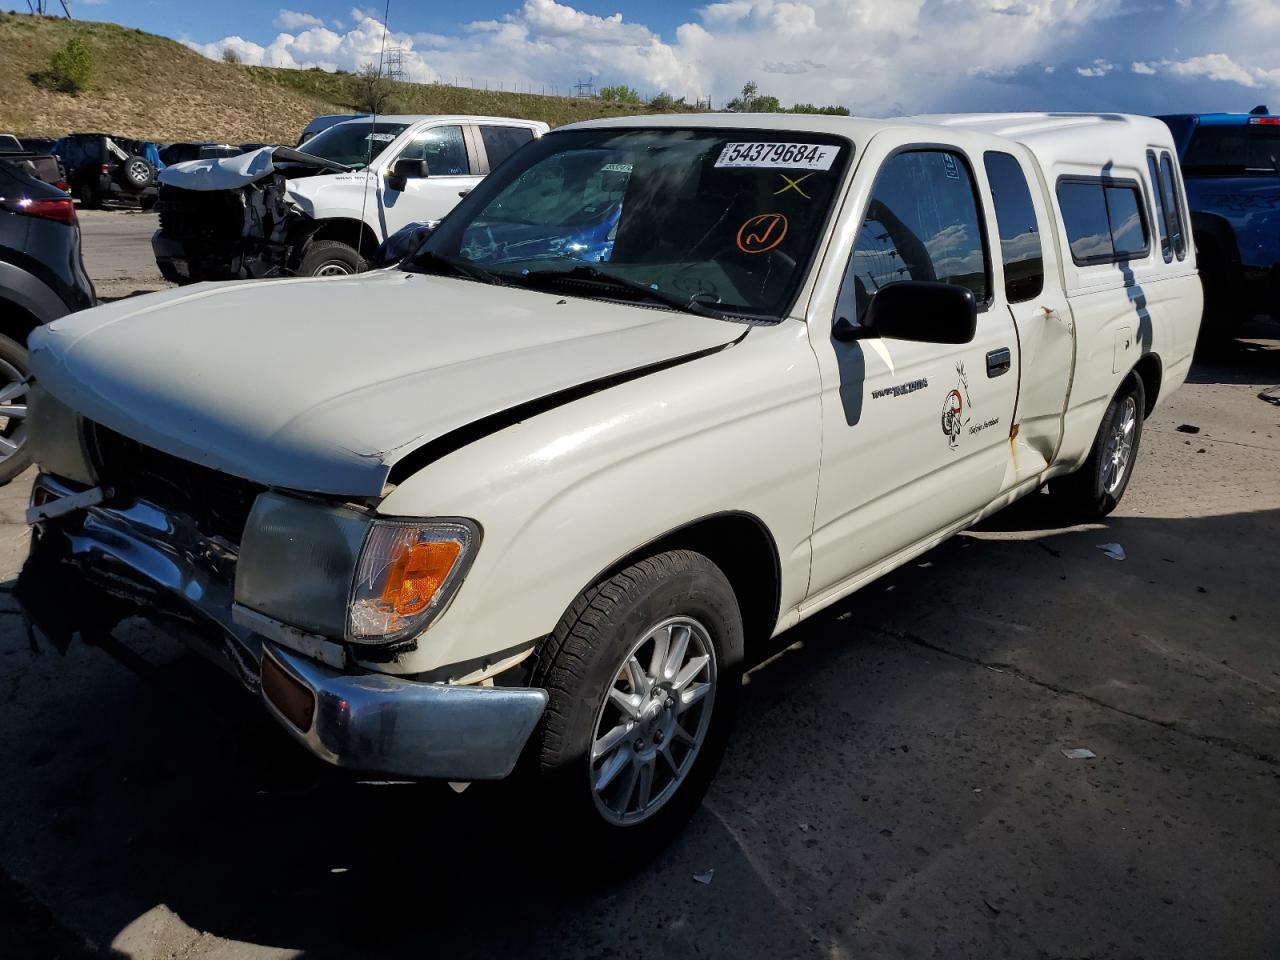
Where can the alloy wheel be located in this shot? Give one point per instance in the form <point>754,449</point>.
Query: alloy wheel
<point>653,721</point>
<point>13,410</point>
<point>1119,446</point>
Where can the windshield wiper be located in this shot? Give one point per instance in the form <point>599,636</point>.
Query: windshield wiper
<point>586,272</point>
<point>459,268</point>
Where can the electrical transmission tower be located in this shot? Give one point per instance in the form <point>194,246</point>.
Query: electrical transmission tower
<point>393,65</point>
<point>585,88</point>
<point>41,7</point>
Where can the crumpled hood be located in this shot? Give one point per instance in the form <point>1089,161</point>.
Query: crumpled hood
<point>232,173</point>
<point>323,384</point>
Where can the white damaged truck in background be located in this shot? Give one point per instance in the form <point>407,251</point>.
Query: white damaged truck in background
<point>323,208</point>
<point>657,390</point>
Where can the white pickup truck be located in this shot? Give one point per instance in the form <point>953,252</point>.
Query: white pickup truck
<point>658,389</point>
<point>323,208</point>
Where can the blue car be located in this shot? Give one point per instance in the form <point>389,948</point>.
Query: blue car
<point>1231,165</point>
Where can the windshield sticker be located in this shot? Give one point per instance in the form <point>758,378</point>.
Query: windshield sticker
<point>381,137</point>
<point>793,184</point>
<point>616,168</point>
<point>950,167</point>
<point>802,156</point>
<point>762,233</point>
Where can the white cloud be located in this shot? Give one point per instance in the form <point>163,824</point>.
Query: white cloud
<point>876,57</point>
<point>293,20</point>
<point>1100,68</point>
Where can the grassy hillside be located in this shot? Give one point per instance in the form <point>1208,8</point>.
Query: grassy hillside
<point>153,88</point>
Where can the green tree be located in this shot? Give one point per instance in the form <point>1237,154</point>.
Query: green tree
<point>230,56</point>
<point>70,68</point>
<point>375,92</point>
<point>831,110</point>
<point>619,94</point>
<point>753,101</point>
<point>666,102</point>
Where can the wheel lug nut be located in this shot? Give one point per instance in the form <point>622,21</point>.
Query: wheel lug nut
<point>657,737</point>
<point>639,744</point>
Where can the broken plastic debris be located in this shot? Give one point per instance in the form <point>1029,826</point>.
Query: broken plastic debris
<point>1079,753</point>
<point>705,877</point>
<point>1112,550</point>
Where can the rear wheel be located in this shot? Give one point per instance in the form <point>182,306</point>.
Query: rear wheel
<point>643,674</point>
<point>1095,489</point>
<point>14,456</point>
<point>1224,312</point>
<point>88,197</point>
<point>330,258</point>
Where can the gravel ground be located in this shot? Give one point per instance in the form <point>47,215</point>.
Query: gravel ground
<point>897,786</point>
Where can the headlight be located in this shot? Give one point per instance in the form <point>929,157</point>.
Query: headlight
<point>339,573</point>
<point>407,573</point>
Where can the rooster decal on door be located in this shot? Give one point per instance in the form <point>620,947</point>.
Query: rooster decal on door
<point>955,408</point>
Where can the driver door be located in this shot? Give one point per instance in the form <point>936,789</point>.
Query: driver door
<point>451,164</point>
<point>914,435</point>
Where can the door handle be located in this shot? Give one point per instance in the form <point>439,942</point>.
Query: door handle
<point>999,362</point>
<point>463,193</point>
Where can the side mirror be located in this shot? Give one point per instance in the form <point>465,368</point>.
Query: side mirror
<point>921,310</point>
<point>404,170</point>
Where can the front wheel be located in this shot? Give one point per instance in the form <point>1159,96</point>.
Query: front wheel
<point>1095,489</point>
<point>643,674</point>
<point>330,258</point>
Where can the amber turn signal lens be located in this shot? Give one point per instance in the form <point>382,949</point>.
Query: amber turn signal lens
<point>417,573</point>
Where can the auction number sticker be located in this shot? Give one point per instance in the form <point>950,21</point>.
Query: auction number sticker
<point>791,156</point>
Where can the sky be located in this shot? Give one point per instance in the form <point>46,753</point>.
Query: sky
<point>876,57</point>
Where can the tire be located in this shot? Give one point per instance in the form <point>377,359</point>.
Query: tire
<point>136,173</point>
<point>1224,313</point>
<point>328,258</point>
<point>147,204</point>
<point>1093,491</point>
<point>686,598</point>
<point>15,456</point>
<point>89,198</point>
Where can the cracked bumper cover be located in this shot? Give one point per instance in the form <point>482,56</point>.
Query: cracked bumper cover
<point>93,567</point>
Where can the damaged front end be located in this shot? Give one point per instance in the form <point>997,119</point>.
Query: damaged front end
<point>233,218</point>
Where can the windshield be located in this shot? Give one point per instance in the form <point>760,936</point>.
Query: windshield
<point>724,218</point>
<point>355,143</point>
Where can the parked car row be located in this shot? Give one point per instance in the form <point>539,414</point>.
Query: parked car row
<point>654,391</point>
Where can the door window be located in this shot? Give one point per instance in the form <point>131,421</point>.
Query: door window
<point>1019,231</point>
<point>922,223</point>
<point>501,142</point>
<point>444,150</point>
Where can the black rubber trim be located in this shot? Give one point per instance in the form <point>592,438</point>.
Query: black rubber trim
<point>454,440</point>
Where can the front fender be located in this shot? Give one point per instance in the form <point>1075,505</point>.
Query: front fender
<point>564,494</point>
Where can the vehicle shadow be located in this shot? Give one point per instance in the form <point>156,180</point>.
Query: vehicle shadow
<point>1252,358</point>
<point>141,805</point>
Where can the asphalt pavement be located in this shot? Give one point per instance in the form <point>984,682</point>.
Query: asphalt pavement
<point>898,785</point>
<point>116,245</point>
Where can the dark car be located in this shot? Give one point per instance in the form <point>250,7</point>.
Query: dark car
<point>41,145</point>
<point>42,277</point>
<point>1231,165</point>
<point>182,152</point>
<point>103,167</point>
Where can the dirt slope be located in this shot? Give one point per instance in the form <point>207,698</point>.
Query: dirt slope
<point>151,87</point>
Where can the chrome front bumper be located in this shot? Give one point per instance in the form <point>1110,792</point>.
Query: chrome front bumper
<point>135,559</point>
